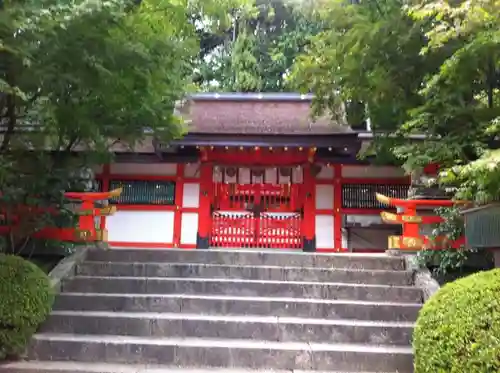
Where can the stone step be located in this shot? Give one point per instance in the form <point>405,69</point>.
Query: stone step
<point>238,305</point>
<point>275,273</point>
<point>320,290</point>
<point>266,328</point>
<point>220,353</point>
<point>250,257</point>
<point>77,367</point>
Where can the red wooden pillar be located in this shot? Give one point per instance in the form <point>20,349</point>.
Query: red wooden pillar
<point>337,205</point>
<point>179,191</point>
<point>204,211</point>
<point>309,218</point>
<point>411,229</point>
<point>86,223</point>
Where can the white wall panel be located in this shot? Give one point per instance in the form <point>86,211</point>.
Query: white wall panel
<point>217,174</point>
<point>158,169</point>
<point>192,170</point>
<point>324,197</point>
<point>141,226</point>
<point>189,228</point>
<point>271,176</point>
<point>324,232</point>
<point>244,175</point>
<point>298,175</point>
<point>326,173</point>
<point>191,195</point>
<point>374,172</point>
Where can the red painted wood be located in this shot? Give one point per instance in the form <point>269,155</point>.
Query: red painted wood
<point>105,188</point>
<point>206,192</point>
<point>309,195</point>
<point>337,204</point>
<point>257,156</point>
<point>243,216</point>
<point>179,192</point>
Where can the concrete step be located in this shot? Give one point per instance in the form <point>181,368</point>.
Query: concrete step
<point>250,257</point>
<point>319,290</point>
<point>220,353</point>
<point>266,328</point>
<point>275,273</point>
<point>77,367</point>
<point>238,305</point>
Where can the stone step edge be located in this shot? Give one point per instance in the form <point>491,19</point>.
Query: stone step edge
<point>224,343</point>
<point>241,281</point>
<point>79,367</point>
<point>283,252</point>
<point>270,267</point>
<point>223,297</point>
<point>279,320</point>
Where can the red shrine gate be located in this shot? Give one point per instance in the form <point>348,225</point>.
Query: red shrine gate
<point>260,215</point>
<point>257,199</point>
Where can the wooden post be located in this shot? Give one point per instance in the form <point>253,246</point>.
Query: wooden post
<point>309,217</point>
<point>204,212</point>
<point>337,205</point>
<point>179,192</point>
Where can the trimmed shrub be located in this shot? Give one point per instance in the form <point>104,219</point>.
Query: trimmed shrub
<point>26,299</point>
<point>458,329</point>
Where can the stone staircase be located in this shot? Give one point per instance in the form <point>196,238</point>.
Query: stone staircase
<point>178,310</point>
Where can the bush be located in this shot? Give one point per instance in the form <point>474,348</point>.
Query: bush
<point>458,329</point>
<point>26,299</point>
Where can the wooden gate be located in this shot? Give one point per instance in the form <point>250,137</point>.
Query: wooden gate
<point>257,216</point>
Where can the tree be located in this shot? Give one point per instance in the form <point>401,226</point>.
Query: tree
<point>81,75</point>
<point>270,36</point>
<point>367,57</point>
<point>461,107</point>
<point>430,68</point>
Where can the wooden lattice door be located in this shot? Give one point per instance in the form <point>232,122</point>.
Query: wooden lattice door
<point>257,216</point>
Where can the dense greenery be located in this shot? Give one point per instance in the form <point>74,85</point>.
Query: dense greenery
<point>256,53</point>
<point>430,68</point>
<point>85,75</point>
<point>458,329</point>
<point>27,298</point>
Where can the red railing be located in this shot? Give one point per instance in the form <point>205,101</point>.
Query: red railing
<point>248,231</point>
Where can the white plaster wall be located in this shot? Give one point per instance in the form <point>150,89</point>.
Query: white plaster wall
<point>189,228</point>
<point>160,169</point>
<point>324,197</point>
<point>191,195</point>
<point>324,232</point>
<point>271,176</point>
<point>326,173</point>
<point>298,175</point>
<point>377,172</point>
<point>192,170</point>
<point>244,175</point>
<point>217,174</point>
<point>141,226</point>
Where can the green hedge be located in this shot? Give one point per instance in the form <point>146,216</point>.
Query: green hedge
<point>458,329</point>
<point>26,299</point>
